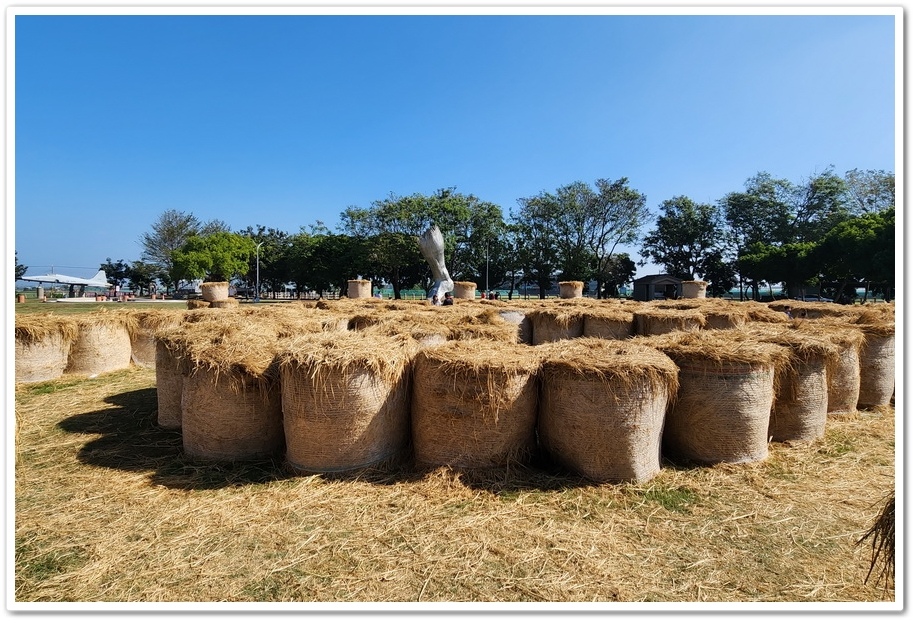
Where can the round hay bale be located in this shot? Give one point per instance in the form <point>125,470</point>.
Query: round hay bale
<point>800,406</point>
<point>519,319</point>
<point>230,416</point>
<point>553,323</point>
<point>198,304</point>
<point>602,407</point>
<point>693,289</point>
<point>143,328</point>
<point>465,290</point>
<point>726,390</point>
<point>658,321</point>
<point>610,323</point>
<point>230,401</point>
<point>43,345</point>
<point>844,378</point>
<point>102,345</point>
<point>359,289</point>
<point>724,317</point>
<point>571,289</point>
<point>228,303</point>
<point>214,291</point>
<point>346,401</point>
<point>170,373</point>
<point>876,360</point>
<point>474,404</point>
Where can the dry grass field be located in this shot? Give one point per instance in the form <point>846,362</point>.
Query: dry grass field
<point>107,509</point>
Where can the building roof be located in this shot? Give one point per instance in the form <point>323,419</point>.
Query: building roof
<point>657,279</point>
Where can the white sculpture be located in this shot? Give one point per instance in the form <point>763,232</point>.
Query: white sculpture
<point>432,246</point>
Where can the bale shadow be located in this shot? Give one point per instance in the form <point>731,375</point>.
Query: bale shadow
<point>131,440</point>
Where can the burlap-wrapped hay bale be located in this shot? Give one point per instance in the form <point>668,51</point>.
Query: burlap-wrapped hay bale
<point>198,304</point>
<point>101,345</point>
<point>844,379</point>
<point>230,401</point>
<point>610,322</point>
<point>225,303</point>
<point>214,291</point>
<point>170,373</point>
<point>550,323</point>
<point>571,289</point>
<point>518,318</point>
<point>876,359</point>
<point>658,321</point>
<point>761,312</point>
<point>724,316</point>
<point>602,407</point>
<point>43,345</point>
<point>800,407</point>
<point>143,326</point>
<point>346,401</point>
<point>726,390</point>
<point>474,404</point>
<point>465,290</point>
<point>693,289</point>
<point>359,289</point>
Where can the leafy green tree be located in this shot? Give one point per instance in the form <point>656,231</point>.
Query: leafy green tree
<point>169,233</point>
<point>142,276</point>
<point>860,249</point>
<point>215,257</point>
<point>688,238</point>
<point>335,259</point>
<point>394,258</point>
<point>298,258</point>
<point>20,269</point>
<point>118,273</point>
<point>536,251</point>
<point>869,191</point>
<point>616,271</point>
<point>792,264</point>
<point>273,270</point>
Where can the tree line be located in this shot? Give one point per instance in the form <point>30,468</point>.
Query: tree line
<point>831,232</point>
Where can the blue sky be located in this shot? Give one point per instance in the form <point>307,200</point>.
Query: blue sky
<point>287,120</point>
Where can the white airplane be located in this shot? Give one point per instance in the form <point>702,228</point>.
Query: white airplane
<point>99,280</point>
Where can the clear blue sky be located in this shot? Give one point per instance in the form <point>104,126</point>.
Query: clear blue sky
<point>283,121</point>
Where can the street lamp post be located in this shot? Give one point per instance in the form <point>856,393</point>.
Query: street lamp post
<point>257,273</point>
<point>488,270</point>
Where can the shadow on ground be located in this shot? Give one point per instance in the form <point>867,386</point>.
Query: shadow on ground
<point>130,439</point>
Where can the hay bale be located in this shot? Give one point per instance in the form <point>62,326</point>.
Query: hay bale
<point>551,323</point>
<point>214,291</point>
<point>761,312</point>
<point>43,345</point>
<point>197,303</point>
<point>571,289</point>
<point>800,406</point>
<point>465,290</point>
<point>228,303</point>
<point>693,289</point>
<point>843,379</point>
<point>658,321</point>
<point>359,289</point>
<point>724,317</point>
<point>230,401</point>
<point>101,345</point>
<point>876,359</point>
<point>726,390</point>
<point>602,407</point>
<point>474,404</point>
<point>346,401</point>
<point>170,373</point>
<point>611,322</point>
<point>520,320</point>
<point>143,327</point>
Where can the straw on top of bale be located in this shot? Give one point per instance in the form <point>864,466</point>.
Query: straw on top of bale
<point>804,343</point>
<point>383,355</point>
<point>619,362</point>
<point>719,347</point>
<point>32,328</point>
<point>875,322</point>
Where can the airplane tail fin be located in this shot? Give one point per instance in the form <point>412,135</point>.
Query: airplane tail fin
<point>100,277</point>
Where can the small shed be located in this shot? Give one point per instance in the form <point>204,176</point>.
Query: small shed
<point>653,287</point>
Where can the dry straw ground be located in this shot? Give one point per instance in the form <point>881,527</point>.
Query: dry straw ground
<point>107,509</point>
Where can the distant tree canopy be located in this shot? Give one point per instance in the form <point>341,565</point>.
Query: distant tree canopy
<point>218,256</point>
<point>828,231</point>
<point>20,269</point>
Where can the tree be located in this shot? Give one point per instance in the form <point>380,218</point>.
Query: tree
<point>615,272</point>
<point>536,252</point>
<point>869,191</point>
<point>214,257</point>
<point>20,269</point>
<point>169,233</point>
<point>118,273</point>
<point>688,238</point>
<point>142,276</point>
<point>272,269</point>
<point>860,249</point>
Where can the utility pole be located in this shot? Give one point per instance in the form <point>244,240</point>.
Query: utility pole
<point>257,273</point>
